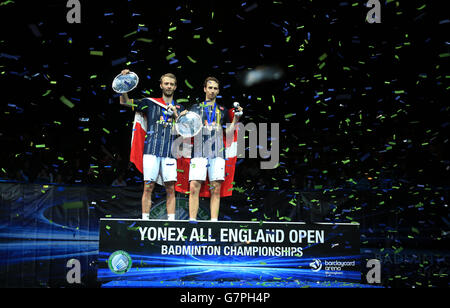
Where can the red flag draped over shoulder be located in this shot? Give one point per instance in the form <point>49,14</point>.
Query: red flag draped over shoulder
<point>138,140</point>
<point>226,188</point>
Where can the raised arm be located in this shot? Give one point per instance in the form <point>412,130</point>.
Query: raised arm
<point>237,114</point>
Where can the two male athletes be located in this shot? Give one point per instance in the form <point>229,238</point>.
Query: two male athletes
<point>158,160</point>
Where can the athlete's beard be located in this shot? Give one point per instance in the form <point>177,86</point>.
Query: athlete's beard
<point>168,93</point>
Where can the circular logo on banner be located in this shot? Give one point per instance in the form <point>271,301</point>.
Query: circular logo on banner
<point>316,265</point>
<point>119,262</point>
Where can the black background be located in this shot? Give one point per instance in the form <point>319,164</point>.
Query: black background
<point>371,114</point>
<point>359,112</point>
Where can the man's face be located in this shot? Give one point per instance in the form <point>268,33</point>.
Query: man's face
<point>211,90</point>
<point>168,86</point>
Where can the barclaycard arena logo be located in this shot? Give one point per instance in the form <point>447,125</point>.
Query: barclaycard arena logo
<point>330,266</point>
<point>316,265</point>
<point>119,262</point>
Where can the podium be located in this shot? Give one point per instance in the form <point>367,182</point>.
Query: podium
<point>161,253</point>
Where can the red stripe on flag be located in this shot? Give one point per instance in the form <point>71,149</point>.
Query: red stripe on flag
<point>137,146</point>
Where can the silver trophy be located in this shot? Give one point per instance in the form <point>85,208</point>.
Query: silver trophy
<point>125,83</point>
<point>189,124</point>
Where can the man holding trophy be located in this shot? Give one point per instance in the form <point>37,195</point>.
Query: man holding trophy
<point>153,135</point>
<point>208,155</point>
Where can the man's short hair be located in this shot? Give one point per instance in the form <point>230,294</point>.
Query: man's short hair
<point>170,75</point>
<point>210,79</point>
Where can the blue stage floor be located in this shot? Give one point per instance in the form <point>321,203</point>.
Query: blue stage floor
<point>234,284</point>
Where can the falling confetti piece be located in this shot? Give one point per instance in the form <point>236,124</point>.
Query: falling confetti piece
<point>145,40</point>
<point>96,53</point>
<point>192,60</point>
<point>170,56</point>
<point>67,102</point>
<point>188,84</point>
